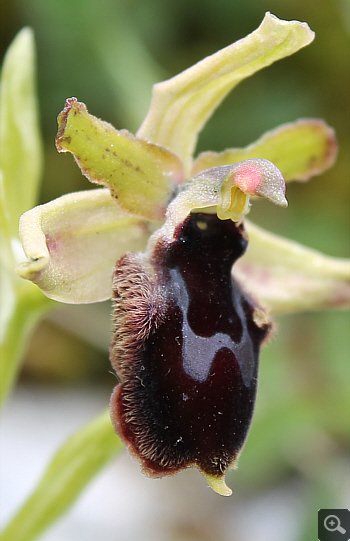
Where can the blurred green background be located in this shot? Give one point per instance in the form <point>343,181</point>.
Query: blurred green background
<point>108,53</point>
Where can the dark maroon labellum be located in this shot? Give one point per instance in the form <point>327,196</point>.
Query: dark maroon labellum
<point>186,348</point>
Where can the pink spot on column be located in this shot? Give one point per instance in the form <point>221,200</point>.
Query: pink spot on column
<point>248,176</point>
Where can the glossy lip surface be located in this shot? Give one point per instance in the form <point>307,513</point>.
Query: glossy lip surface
<point>188,388</point>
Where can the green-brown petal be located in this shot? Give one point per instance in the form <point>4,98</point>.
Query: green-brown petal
<point>300,150</point>
<point>142,176</point>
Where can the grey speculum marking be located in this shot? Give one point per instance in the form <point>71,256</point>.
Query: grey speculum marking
<point>198,352</point>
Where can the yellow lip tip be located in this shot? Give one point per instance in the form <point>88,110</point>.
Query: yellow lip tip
<point>218,484</point>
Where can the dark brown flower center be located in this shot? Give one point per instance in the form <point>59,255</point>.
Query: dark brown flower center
<point>188,386</point>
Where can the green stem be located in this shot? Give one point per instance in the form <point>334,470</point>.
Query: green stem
<point>79,459</point>
<point>29,306</point>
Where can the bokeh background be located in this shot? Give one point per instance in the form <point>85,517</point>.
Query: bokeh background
<point>108,53</point>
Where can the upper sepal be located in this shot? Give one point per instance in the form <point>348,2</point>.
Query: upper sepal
<point>181,106</point>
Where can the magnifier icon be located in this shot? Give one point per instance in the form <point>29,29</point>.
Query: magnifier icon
<point>332,524</point>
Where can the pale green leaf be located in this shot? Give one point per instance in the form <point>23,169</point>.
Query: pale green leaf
<point>78,460</point>
<point>181,106</point>
<point>20,143</point>
<point>288,277</point>
<point>141,176</point>
<point>299,149</point>
<point>74,242</point>
<point>21,304</point>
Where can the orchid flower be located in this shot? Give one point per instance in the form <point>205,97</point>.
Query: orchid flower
<point>162,238</point>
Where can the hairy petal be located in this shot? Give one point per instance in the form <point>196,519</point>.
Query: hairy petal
<point>288,277</point>
<point>300,150</point>
<point>73,243</point>
<point>182,105</point>
<point>141,176</point>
